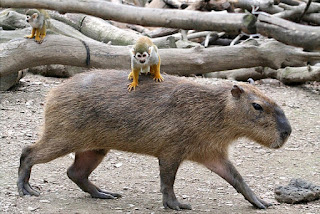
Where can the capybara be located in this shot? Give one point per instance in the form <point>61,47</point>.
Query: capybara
<point>174,121</point>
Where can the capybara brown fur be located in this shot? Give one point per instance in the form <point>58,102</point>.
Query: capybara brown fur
<point>174,121</point>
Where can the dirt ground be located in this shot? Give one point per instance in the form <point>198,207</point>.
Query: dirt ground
<point>136,177</point>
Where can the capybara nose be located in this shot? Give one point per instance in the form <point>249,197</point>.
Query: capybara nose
<point>285,133</point>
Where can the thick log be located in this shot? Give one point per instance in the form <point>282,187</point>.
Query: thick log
<point>298,75</point>
<point>173,18</point>
<point>288,75</point>
<point>237,74</point>
<point>100,30</point>
<point>15,55</point>
<point>288,32</point>
<point>11,20</point>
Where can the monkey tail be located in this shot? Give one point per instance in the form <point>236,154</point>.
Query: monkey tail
<point>305,10</point>
<point>88,52</point>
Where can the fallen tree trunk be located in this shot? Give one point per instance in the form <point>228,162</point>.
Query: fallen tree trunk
<point>288,75</point>
<point>15,55</point>
<point>291,75</point>
<point>183,19</point>
<point>288,32</point>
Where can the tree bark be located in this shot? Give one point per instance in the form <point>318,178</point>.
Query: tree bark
<point>18,54</point>
<point>183,19</point>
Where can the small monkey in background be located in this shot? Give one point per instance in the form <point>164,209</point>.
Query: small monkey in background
<point>144,58</point>
<point>37,20</point>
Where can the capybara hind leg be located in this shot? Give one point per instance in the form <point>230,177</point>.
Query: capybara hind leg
<point>168,170</point>
<point>31,155</point>
<point>24,172</point>
<point>84,164</point>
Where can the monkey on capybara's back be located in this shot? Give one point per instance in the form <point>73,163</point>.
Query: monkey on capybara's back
<point>174,121</point>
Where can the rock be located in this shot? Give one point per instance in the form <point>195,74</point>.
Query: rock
<point>298,191</point>
<point>7,81</point>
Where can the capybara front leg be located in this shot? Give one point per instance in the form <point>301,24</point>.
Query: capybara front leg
<point>168,170</point>
<point>84,164</point>
<point>225,169</point>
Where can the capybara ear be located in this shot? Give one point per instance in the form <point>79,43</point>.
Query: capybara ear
<point>236,91</point>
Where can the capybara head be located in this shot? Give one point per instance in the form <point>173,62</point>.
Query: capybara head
<point>258,116</point>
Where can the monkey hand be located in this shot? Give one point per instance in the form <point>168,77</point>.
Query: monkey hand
<point>130,76</point>
<point>158,78</point>
<point>39,39</point>
<point>29,36</point>
<point>132,86</point>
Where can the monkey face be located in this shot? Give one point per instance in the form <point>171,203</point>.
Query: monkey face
<point>142,58</point>
<point>32,19</point>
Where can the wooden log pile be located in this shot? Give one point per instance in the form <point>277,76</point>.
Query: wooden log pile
<point>235,38</point>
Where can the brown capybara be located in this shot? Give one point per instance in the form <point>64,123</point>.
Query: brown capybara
<point>174,121</point>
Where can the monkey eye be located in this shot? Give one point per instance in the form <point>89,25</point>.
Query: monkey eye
<point>138,55</point>
<point>144,55</point>
<point>257,107</point>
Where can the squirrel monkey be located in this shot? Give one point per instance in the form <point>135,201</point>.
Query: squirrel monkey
<point>37,20</point>
<point>144,58</point>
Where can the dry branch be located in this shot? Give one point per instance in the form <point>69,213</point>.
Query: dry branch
<point>264,5</point>
<point>183,19</point>
<point>15,55</point>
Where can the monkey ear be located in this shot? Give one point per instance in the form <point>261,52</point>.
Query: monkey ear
<point>149,50</point>
<point>236,91</point>
<point>34,16</point>
<point>132,52</point>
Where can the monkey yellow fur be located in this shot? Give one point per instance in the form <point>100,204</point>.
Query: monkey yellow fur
<point>144,58</point>
<point>37,20</point>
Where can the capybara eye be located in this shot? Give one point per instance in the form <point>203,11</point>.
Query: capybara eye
<point>257,107</point>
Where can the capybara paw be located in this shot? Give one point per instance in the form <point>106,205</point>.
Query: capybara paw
<point>260,205</point>
<point>266,204</point>
<point>26,189</point>
<point>105,195</point>
<point>176,205</point>
<point>116,195</point>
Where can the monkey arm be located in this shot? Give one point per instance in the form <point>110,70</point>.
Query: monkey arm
<point>37,38</point>
<point>155,71</point>
<point>225,169</point>
<point>32,34</point>
<point>135,75</point>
